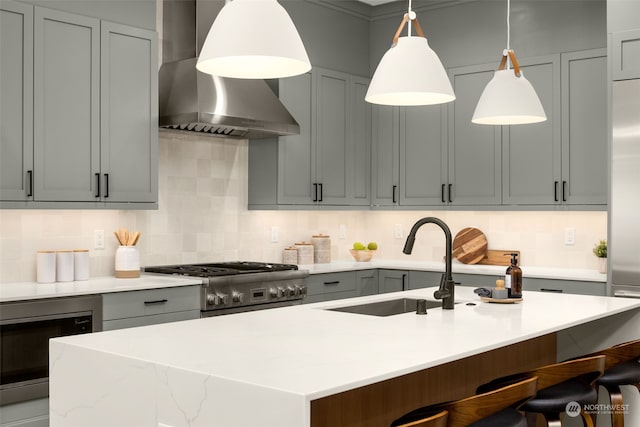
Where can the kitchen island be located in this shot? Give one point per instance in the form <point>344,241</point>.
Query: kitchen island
<point>308,366</point>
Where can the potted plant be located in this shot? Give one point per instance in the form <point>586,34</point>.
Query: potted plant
<point>600,250</point>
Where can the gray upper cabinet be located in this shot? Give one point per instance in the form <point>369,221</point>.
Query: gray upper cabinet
<point>423,155</point>
<point>532,152</point>
<point>584,128</point>
<point>16,101</point>
<point>80,130</point>
<point>385,155</point>
<point>66,106</point>
<point>475,167</point>
<point>129,109</point>
<point>328,162</point>
<point>626,55</point>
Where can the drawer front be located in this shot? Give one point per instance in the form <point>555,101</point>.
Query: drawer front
<point>564,286</point>
<point>149,302</point>
<point>132,322</point>
<point>331,282</point>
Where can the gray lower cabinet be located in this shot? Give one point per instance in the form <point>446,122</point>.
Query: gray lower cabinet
<point>626,55</point>
<point>564,286</point>
<point>32,413</point>
<point>424,279</point>
<point>81,128</point>
<point>328,163</point>
<point>150,307</point>
<point>367,282</point>
<point>331,286</point>
<point>392,281</point>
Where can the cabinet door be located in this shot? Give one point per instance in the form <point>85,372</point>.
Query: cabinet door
<point>66,106</point>
<point>584,128</point>
<point>423,155</point>
<point>424,279</point>
<point>360,178</point>
<point>385,153</point>
<point>626,55</point>
<point>474,150</point>
<point>295,159</point>
<point>392,281</point>
<point>16,101</point>
<point>333,152</point>
<point>532,155</point>
<point>129,114</point>
<point>367,282</point>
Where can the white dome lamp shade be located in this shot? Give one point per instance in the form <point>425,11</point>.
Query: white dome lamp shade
<point>410,72</point>
<point>509,98</point>
<point>253,39</point>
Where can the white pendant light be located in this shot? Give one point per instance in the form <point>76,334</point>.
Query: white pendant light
<point>509,98</point>
<point>253,39</point>
<point>410,72</point>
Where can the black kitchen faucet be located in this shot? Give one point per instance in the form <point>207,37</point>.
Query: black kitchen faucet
<point>447,286</point>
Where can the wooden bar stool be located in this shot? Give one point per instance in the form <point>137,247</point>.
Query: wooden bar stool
<point>622,367</point>
<point>491,409</point>
<point>559,385</point>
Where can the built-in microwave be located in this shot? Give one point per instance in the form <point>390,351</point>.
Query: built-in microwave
<point>25,330</point>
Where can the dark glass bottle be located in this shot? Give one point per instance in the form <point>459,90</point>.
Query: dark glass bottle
<point>514,278</point>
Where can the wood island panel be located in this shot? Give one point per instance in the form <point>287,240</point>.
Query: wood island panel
<point>378,404</point>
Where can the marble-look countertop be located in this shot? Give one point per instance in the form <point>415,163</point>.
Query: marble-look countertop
<point>265,367</point>
<point>493,270</point>
<point>99,285</point>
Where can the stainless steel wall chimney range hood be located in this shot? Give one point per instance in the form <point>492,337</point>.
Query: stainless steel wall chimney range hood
<point>192,101</point>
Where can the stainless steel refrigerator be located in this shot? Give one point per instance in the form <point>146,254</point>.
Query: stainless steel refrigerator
<point>624,219</point>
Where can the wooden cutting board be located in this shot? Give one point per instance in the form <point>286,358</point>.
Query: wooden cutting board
<point>499,257</point>
<point>469,245</point>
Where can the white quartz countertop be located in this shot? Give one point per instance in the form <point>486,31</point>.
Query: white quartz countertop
<point>99,285</point>
<point>310,352</point>
<point>458,267</point>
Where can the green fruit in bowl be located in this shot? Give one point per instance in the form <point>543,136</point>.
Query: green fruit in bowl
<point>372,246</point>
<point>359,246</point>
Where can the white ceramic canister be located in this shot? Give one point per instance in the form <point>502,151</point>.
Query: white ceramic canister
<point>46,266</point>
<point>321,248</point>
<point>64,266</point>
<point>127,262</point>
<point>81,264</point>
<point>305,252</point>
<point>290,255</point>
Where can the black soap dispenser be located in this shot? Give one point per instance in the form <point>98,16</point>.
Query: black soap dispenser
<point>513,278</point>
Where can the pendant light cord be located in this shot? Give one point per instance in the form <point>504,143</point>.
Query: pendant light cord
<point>508,30</point>
<point>409,12</point>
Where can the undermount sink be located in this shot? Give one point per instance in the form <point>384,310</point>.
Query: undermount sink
<point>386,308</point>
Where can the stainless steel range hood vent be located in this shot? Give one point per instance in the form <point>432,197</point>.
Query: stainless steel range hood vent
<point>191,101</point>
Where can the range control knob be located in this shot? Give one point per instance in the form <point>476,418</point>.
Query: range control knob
<point>300,290</point>
<point>273,292</point>
<point>290,291</point>
<point>237,296</point>
<point>222,299</point>
<point>281,292</point>
<point>211,299</point>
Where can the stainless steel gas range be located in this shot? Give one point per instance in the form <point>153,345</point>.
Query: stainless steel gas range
<point>235,287</point>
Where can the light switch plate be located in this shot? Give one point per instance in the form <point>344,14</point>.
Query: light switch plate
<point>342,231</point>
<point>398,233</point>
<point>98,239</point>
<point>569,236</point>
<point>274,234</point>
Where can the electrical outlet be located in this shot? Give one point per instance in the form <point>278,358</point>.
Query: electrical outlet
<point>398,233</point>
<point>569,236</point>
<point>342,231</point>
<point>98,239</point>
<point>274,234</point>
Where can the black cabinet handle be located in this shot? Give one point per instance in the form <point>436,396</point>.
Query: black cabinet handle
<point>106,185</point>
<point>81,321</point>
<point>555,191</point>
<point>320,185</point>
<point>564,191</point>
<point>158,301</point>
<point>335,282</point>
<point>393,193</point>
<point>449,193</point>
<point>30,185</point>
<point>97,185</point>
<point>315,192</point>
<point>404,282</point>
<point>442,193</point>
<point>557,291</point>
